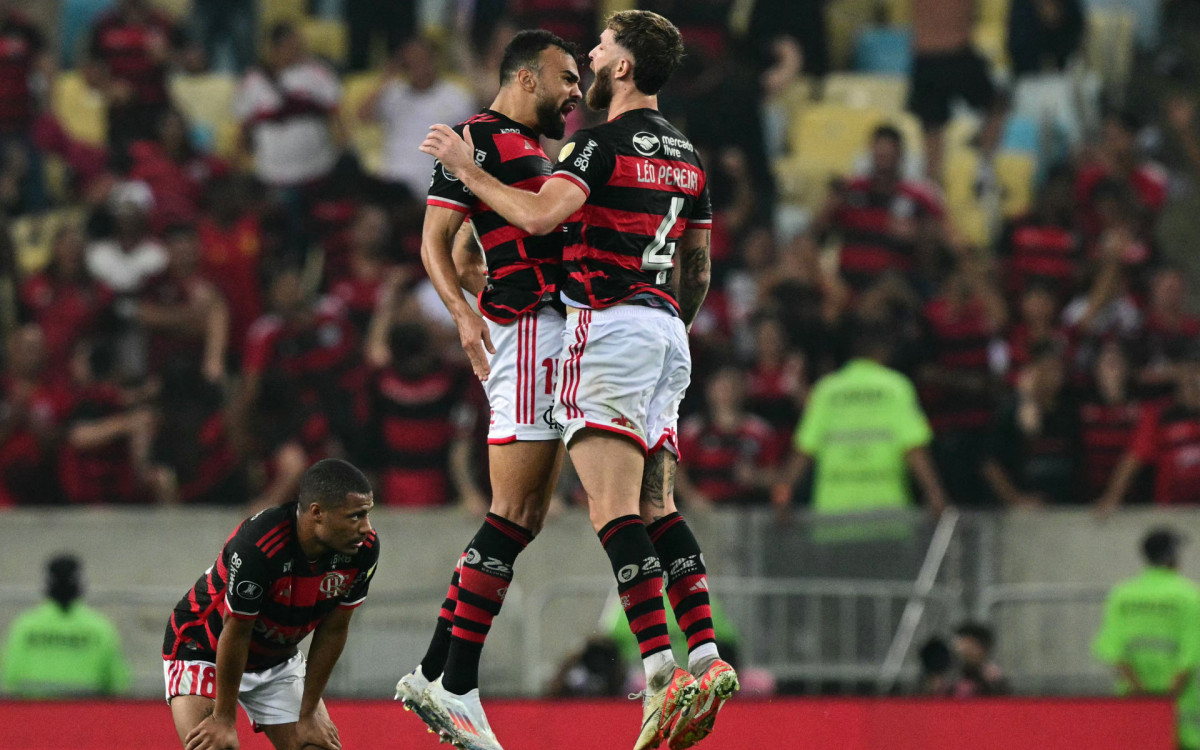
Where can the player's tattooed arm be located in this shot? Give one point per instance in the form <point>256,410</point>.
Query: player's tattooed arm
<point>695,270</point>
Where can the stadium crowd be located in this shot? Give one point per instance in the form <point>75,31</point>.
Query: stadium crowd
<point>212,241</point>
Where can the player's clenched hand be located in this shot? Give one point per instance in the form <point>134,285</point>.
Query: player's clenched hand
<point>446,146</point>
<point>473,332</point>
<point>212,734</point>
<point>317,729</point>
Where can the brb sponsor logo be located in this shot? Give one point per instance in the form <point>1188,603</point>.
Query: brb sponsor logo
<point>684,565</point>
<point>334,584</point>
<point>646,144</point>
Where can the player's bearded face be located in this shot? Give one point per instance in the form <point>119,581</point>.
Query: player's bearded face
<point>552,115</point>
<point>600,93</point>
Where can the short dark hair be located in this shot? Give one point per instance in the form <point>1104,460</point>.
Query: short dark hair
<point>978,632</point>
<point>525,48</point>
<point>1161,546</point>
<point>329,481</point>
<point>656,45</point>
<point>891,132</point>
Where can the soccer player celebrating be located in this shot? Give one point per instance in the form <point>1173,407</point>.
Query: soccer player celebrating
<point>634,192</point>
<point>288,571</point>
<point>514,349</point>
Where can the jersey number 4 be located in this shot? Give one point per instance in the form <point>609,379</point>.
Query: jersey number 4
<point>660,253</point>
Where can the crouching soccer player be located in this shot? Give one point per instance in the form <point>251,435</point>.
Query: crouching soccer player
<point>288,571</point>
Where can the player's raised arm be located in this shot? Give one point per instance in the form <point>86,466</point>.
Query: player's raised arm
<point>437,253</point>
<point>219,731</point>
<point>536,213</point>
<point>694,272</point>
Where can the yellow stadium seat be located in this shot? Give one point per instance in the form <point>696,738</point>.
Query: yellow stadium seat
<point>366,136</point>
<point>889,93</point>
<point>80,109</point>
<point>58,178</point>
<point>205,99</point>
<point>897,12</point>
<point>991,40</point>
<point>226,139</point>
<point>1109,45</point>
<point>271,12</point>
<point>993,11</point>
<point>33,234</point>
<point>833,135</point>
<point>843,20</point>
<point>1016,171</point>
<point>177,9</point>
<point>326,38</point>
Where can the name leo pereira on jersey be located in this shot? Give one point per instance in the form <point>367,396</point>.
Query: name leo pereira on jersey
<point>667,176</point>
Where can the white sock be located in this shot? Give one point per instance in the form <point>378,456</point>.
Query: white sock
<point>702,654</point>
<point>659,661</point>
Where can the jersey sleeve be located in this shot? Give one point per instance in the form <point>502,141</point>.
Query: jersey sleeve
<point>358,589</point>
<point>446,190</point>
<point>812,424</point>
<point>247,578</point>
<point>912,427</point>
<point>702,212</point>
<point>585,161</point>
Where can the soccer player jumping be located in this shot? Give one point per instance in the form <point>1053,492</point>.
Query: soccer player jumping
<point>634,192</point>
<point>514,349</point>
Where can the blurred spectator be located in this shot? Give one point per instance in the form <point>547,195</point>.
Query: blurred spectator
<point>1108,416</point>
<point>369,270</point>
<point>108,434</point>
<point>732,454</point>
<point>1168,332</point>
<point>703,23</point>
<point>32,412</point>
<point>1151,633</point>
<point>63,648</point>
<point>1044,246</point>
<point>1168,439</point>
<point>776,382</point>
<point>186,316</point>
<point>176,172</point>
<point>891,304</point>
<point>1035,441</point>
<point>1035,329</point>
<point>1043,35</point>
<point>423,426</point>
<point>406,109</point>
<point>130,54</point>
<point>799,21</point>
<point>880,217</point>
<point>947,67</point>
<point>1117,159</point>
<point>232,253</point>
<point>957,388</point>
<point>26,70</point>
<point>225,24</point>
<point>808,302</point>
<point>127,260</point>
<point>195,459</point>
<point>936,660</point>
<point>63,299</point>
<point>978,676</point>
<point>865,431</point>
<point>596,671</point>
<point>1107,309</point>
<point>288,111</point>
<point>368,20</point>
<point>573,20</point>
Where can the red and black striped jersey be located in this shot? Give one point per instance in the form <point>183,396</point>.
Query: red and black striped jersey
<point>645,186</point>
<point>263,575</point>
<point>523,269</point>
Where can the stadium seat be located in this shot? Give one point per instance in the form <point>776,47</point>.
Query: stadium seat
<point>889,93</point>
<point>271,12</point>
<point>75,21</point>
<point>177,9</point>
<point>1016,172</point>
<point>844,19</point>
<point>885,50</point>
<point>993,11</point>
<point>1021,134</point>
<point>898,12</point>
<point>326,38</point>
<point>206,101</point>
<point>366,136</point>
<point>1109,45</point>
<point>80,109</point>
<point>32,235</point>
<point>991,40</point>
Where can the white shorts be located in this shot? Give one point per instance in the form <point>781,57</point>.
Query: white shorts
<point>520,389</point>
<point>625,370</point>
<point>269,697</point>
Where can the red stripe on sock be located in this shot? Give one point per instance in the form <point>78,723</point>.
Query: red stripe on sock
<point>509,531</point>
<point>657,643</point>
<point>650,589</point>
<point>466,611</point>
<point>468,635</point>
<point>702,636</point>
<point>648,620</point>
<point>657,534</point>
<point>624,524</point>
<point>489,587</point>
<point>689,618</point>
<point>685,587</point>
